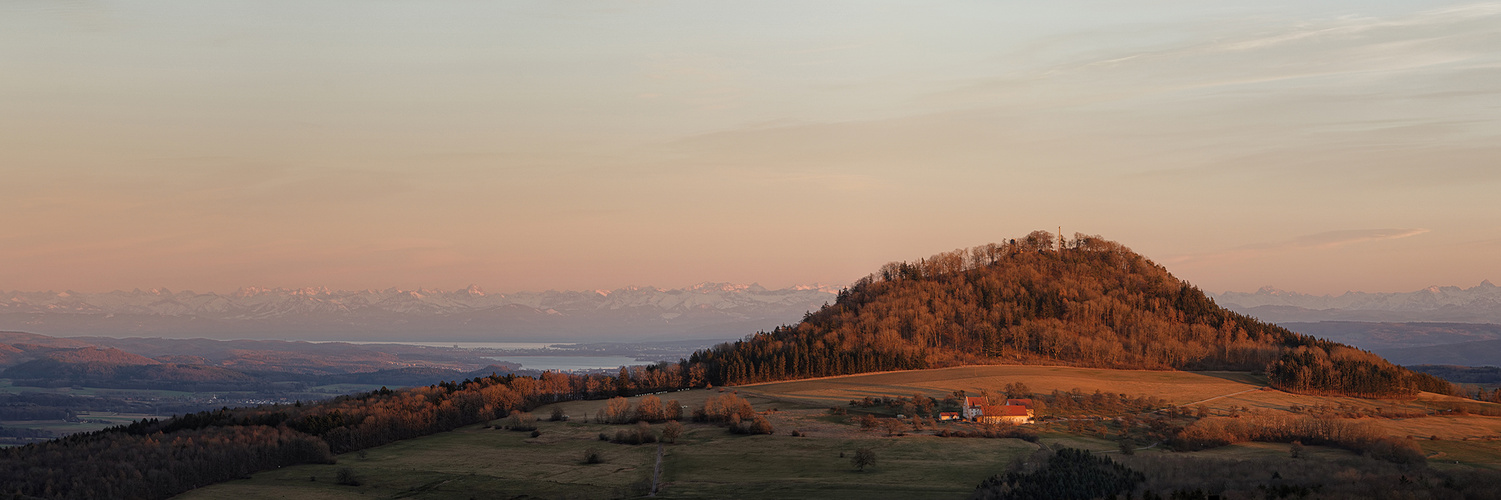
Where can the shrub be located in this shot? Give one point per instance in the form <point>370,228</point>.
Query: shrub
<point>671,431</point>
<point>724,408</point>
<point>642,434</point>
<point>593,456</point>
<point>1357,437</point>
<point>618,411</point>
<point>1011,431</point>
<point>650,409</point>
<point>346,477</point>
<point>521,422</point>
<point>755,425</point>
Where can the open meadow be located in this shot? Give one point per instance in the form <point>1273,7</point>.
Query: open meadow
<point>1175,387</point>
<point>706,461</point>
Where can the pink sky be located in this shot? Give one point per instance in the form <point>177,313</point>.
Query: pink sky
<point>209,146</point>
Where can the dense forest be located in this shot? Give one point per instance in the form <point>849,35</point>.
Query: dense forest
<point>1083,301</point>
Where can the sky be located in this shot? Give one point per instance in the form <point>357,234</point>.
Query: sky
<point>521,146</point>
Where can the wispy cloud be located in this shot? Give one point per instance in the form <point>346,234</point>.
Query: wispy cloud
<point>1241,53</point>
<point>1328,240</point>
<point>1335,239</point>
<point>1347,27</point>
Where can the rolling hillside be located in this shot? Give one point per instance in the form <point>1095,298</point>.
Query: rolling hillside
<point>1081,302</point>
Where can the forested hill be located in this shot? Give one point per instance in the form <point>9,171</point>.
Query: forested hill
<point>1084,301</point>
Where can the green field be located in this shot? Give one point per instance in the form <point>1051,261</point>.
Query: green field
<point>708,462</point>
<point>95,421</point>
<point>8,387</point>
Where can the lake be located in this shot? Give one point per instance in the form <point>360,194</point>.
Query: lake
<point>568,363</point>
<point>510,346</point>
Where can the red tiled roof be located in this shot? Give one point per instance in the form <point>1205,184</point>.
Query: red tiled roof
<point>1003,411</point>
<point>975,401</point>
<point>1020,402</point>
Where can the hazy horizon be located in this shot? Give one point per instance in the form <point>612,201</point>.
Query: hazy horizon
<point>1319,148</point>
<point>487,290</point>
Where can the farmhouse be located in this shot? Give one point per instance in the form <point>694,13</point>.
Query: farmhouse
<point>972,406</point>
<point>949,415</point>
<point>1014,411</point>
<point>1004,414</point>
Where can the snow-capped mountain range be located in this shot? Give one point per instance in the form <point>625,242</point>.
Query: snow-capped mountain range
<point>1477,304</point>
<point>706,310</point>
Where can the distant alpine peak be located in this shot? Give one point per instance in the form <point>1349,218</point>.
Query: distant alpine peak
<point>251,291</point>
<point>722,287</point>
<point>1485,297</point>
<point>262,303</point>
<point>471,290</point>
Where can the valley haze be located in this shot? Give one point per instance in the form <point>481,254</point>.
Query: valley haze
<point>703,311</point>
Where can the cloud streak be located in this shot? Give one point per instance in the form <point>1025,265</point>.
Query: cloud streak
<point>1328,240</point>
<point>1334,239</point>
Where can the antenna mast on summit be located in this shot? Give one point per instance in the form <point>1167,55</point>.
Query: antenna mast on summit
<point>1060,239</point>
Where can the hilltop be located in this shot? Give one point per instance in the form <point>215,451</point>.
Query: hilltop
<point>1084,301</point>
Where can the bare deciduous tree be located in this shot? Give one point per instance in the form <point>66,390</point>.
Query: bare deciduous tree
<point>864,457</point>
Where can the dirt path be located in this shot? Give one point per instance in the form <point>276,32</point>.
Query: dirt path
<point>656,477</point>
<point>1222,396</point>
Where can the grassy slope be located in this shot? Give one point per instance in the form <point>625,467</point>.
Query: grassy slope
<point>1462,438</point>
<point>1220,391</point>
<point>706,463</point>
<point>1175,387</point>
<point>710,463</point>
